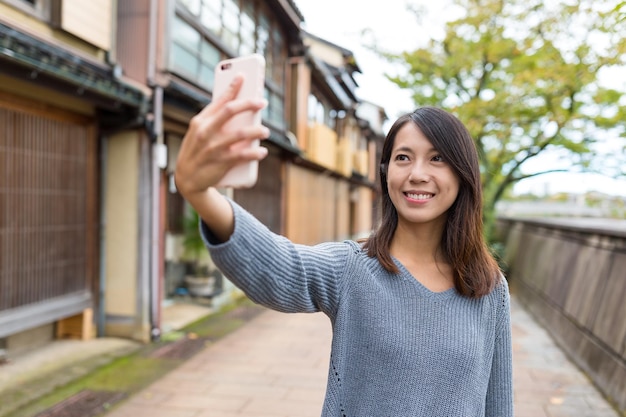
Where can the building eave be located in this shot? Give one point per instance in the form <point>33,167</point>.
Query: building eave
<point>347,54</point>
<point>29,58</point>
<point>291,19</point>
<point>324,72</point>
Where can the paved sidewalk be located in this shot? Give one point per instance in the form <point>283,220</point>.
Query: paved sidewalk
<point>275,366</point>
<point>546,383</point>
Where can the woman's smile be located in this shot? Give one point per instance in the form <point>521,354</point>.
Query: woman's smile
<point>419,196</point>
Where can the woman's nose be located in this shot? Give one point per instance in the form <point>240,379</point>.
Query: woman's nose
<point>419,173</point>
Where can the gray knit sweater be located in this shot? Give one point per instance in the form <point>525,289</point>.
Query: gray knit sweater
<point>398,348</point>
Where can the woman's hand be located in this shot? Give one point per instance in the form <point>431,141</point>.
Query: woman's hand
<point>207,151</point>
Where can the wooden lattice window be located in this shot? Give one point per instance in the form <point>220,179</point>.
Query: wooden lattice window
<point>47,207</point>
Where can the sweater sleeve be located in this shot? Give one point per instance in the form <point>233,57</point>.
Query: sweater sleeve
<point>273,271</point>
<point>500,389</point>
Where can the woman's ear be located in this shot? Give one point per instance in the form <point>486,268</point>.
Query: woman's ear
<point>383,171</point>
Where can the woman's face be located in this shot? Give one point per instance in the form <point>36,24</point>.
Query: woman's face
<point>422,186</point>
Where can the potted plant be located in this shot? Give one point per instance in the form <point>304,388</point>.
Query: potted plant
<point>200,280</point>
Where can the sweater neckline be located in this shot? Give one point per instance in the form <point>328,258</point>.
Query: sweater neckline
<point>407,276</point>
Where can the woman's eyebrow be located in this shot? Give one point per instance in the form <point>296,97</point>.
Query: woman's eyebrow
<point>408,149</point>
<point>403,149</point>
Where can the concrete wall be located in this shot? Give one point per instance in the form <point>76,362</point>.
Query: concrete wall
<point>571,275</point>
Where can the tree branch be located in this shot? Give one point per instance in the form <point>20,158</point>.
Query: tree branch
<point>550,171</point>
<point>511,180</point>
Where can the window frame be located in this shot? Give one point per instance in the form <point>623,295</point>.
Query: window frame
<point>274,49</point>
<point>40,9</point>
<point>196,76</point>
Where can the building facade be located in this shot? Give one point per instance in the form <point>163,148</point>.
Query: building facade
<point>59,92</point>
<point>95,98</point>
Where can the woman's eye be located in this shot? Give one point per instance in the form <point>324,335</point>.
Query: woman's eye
<point>401,157</point>
<point>437,158</point>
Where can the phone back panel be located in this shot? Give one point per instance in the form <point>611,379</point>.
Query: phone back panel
<point>253,69</point>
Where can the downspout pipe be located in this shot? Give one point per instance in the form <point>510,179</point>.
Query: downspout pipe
<point>158,147</point>
<point>159,159</point>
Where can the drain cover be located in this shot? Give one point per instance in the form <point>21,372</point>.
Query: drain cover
<point>181,349</point>
<point>86,403</point>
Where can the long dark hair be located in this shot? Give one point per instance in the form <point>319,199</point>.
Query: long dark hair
<point>475,270</point>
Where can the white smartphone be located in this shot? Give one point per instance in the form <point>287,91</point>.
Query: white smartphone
<point>252,67</point>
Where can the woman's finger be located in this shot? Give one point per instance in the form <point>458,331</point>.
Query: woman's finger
<point>230,158</point>
<point>240,137</point>
<point>209,131</point>
<point>229,94</point>
<point>233,108</point>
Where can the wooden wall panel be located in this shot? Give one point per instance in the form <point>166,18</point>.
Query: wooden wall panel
<point>342,216</point>
<point>264,200</point>
<point>89,20</point>
<point>311,206</point>
<point>322,145</point>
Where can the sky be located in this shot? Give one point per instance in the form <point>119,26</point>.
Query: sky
<point>393,27</point>
<point>351,23</point>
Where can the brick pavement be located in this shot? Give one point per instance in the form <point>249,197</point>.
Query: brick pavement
<point>275,366</point>
<point>546,383</point>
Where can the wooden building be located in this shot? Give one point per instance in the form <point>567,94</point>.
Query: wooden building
<point>59,93</point>
<point>95,98</point>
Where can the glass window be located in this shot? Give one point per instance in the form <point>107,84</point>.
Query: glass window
<point>186,35</point>
<point>192,5</point>
<point>210,56</point>
<point>266,111</point>
<point>209,53</point>
<point>277,110</point>
<point>38,8</point>
<point>278,70</point>
<point>192,55</point>
<point>206,75</point>
<point>248,31</point>
<point>230,20</point>
<point>311,106</point>
<point>213,4</point>
<point>319,111</point>
<point>184,61</point>
<point>210,16</point>
<point>184,49</point>
<point>243,30</point>
<point>262,42</point>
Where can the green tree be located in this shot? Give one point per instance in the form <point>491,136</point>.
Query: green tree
<point>524,76</point>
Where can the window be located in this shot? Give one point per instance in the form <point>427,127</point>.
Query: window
<point>37,8</point>
<point>321,112</point>
<point>248,30</point>
<point>192,55</point>
<point>175,203</point>
<point>270,43</point>
<point>242,27</point>
<point>230,23</point>
<point>192,5</point>
<point>210,15</point>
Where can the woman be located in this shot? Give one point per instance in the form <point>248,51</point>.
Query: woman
<point>419,311</point>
